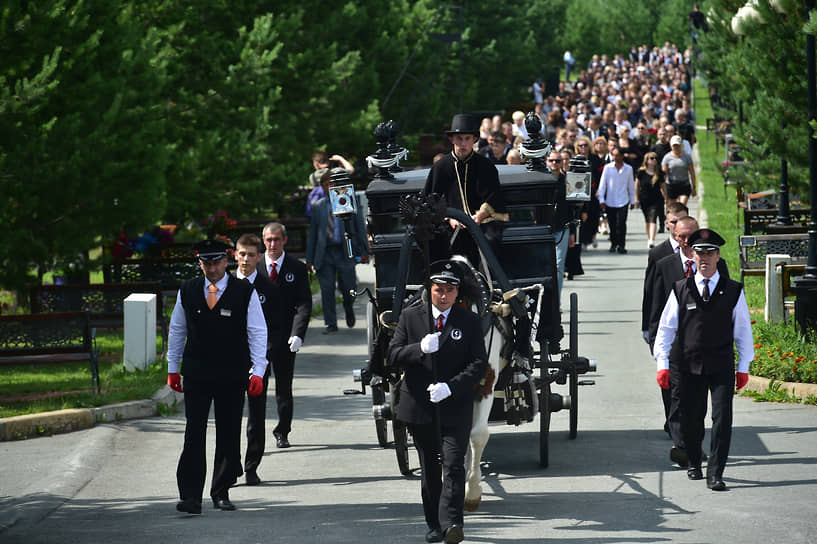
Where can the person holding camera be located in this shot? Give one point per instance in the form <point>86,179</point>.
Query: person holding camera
<point>326,252</point>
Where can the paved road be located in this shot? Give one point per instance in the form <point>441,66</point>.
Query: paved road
<point>614,483</point>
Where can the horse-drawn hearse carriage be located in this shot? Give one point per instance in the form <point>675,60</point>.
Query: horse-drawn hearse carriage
<point>514,292</point>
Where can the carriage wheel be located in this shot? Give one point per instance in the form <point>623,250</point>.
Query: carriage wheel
<point>400,432</point>
<point>544,416</point>
<point>378,389</point>
<point>401,447</point>
<point>573,375</point>
<point>380,425</point>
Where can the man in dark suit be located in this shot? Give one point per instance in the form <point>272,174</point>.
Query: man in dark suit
<point>675,211</point>
<point>442,370</point>
<point>667,272</point>
<point>705,318</point>
<point>291,302</point>
<point>217,336</point>
<point>326,251</point>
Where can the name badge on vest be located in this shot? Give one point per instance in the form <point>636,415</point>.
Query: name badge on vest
<point>456,334</point>
<point>261,298</point>
<point>691,306</point>
<point>290,277</point>
<point>226,313</point>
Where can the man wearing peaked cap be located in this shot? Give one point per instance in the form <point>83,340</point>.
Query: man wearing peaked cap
<point>706,240</point>
<point>217,337</point>
<point>441,368</point>
<point>469,182</point>
<point>704,319</point>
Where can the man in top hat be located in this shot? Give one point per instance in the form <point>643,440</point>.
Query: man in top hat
<point>217,341</point>
<point>469,182</point>
<point>705,317</point>
<point>442,368</point>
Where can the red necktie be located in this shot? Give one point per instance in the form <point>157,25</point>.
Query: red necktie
<point>440,322</point>
<point>689,273</point>
<point>273,275</point>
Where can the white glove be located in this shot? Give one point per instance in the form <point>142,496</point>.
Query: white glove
<point>438,391</point>
<point>646,336</point>
<point>295,343</point>
<point>430,342</point>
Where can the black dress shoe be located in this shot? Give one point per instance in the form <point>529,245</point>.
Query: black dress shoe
<point>434,535</point>
<point>281,440</point>
<point>694,473</point>
<point>612,249</point>
<point>189,506</point>
<point>622,250</point>
<point>350,319</point>
<point>252,478</point>
<point>454,534</point>
<point>330,329</point>
<point>679,456</point>
<point>715,483</point>
<point>223,503</point>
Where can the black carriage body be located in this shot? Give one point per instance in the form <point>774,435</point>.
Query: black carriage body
<point>527,252</point>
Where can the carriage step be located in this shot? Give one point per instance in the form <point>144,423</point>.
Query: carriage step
<point>586,382</point>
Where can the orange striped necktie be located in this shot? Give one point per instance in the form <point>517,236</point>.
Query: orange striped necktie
<point>212,299</point>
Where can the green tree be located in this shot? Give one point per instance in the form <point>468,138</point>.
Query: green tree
<point>761,73</point>
<point>81,132</point>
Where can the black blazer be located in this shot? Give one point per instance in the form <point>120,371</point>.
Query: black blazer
<point>461,362</point>
<point>656,254</point>
<point>289,302</point>
<point>668,271</point>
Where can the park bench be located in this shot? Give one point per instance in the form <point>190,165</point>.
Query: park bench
<point>49,338</point>
<point>104,302</point>
<point>788,273</point>
<point>760,221</point>
<point>754,248</point>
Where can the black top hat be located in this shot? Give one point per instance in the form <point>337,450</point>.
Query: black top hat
<point>211,250</point>
<point>705,240</point>
<point>444,272</point>
<point>464,123</point>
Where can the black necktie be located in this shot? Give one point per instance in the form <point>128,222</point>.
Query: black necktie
<point>706,291</point>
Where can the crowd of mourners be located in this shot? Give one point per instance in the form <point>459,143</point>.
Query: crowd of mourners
<point>635,105</point>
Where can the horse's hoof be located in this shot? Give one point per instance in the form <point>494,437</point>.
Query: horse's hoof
<point>471,505</point>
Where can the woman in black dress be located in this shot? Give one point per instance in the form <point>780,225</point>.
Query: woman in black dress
<point>649,187</point>
<point>590,225</point>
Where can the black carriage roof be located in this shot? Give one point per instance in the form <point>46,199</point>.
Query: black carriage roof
<point>413,181</point>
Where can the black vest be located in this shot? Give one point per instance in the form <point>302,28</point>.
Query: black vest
<point>217,345</point>
<point>704,343</point>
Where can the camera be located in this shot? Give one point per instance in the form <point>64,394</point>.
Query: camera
<point>577,180</point>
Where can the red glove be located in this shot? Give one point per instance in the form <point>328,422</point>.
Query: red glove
<point>256,386</point>
<point>174,380</point>
<point>741,379</point>
<point>663,378</point>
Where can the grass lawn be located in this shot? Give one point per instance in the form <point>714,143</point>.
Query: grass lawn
<point>28,389</point>
<point>781,353</point>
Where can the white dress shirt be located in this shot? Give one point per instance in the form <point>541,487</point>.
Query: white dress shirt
<point>256,331</point>
<point>741,327</point>
<point>617,187</point>
<point>435,313</point>
<point>278,262</point>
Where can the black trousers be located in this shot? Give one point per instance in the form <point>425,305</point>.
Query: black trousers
<point>672,406</point>
<point>442,486</point>
<point>228,401</point>
<point>617,223</point>
<point>694,390</point>
<point>283,365</point>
